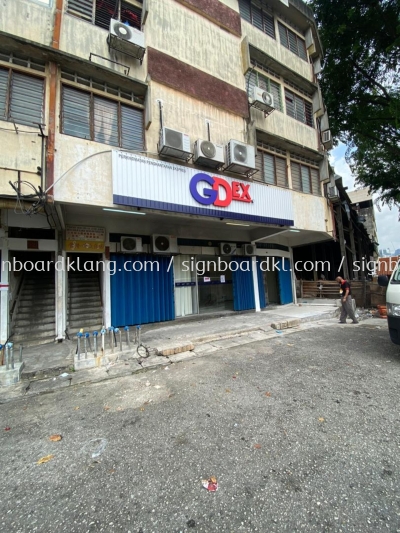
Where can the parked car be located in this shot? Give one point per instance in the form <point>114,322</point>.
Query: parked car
<point>392,302</point>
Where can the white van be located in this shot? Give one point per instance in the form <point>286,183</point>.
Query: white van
<point>392,302</point>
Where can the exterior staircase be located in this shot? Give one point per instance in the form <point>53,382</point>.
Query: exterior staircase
<point>85,309</point>
<point>35,320</point>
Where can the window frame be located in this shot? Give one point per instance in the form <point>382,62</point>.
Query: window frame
<point>291,33</point>
<point>308,113</point>
<point>93,93</point>
<point>274,156</point>
<point>310,177</point>
<point>264,12</point>
<point>24,71</point>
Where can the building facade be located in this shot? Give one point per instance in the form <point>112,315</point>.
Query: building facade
<point>177,132</point>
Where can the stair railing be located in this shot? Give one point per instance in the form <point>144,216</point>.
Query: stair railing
<point>15,303</point>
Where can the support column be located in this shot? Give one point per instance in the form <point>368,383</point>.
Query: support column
<point>106,288</point>
<point>255,284</point>
<point>61,294</point>
<point>353,248</point>
<point>293,274</point>
<point>343,259</point>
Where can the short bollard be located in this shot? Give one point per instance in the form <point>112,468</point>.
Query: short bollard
<point>138,328</point>
<point>110,338</point>
<point>95,333</point>
<point>117,330</point>
<point>126,328</point>
<point>20,353</point>
<point>2,354</point>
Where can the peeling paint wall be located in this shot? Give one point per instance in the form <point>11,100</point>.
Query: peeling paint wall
<point>27,19</point>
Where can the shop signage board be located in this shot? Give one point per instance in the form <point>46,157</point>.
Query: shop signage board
<point>154,184</point>
<point>89,239</point>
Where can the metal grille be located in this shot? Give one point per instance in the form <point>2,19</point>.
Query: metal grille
<point>265,68</point>
<point>81,8</point>
<point>91,117</point>
<point>131,128</point>
<point>23,62</point>
<point>4,73</point>
<point>257,16</point>
<point>298,108</point>
<point>298,157</point>
<point>315,183</point>
<point>271,148</point>
<point>293,42</point>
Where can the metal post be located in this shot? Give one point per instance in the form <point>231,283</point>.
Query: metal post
<point>126,328</point>
<point>138,333</point>
<point>1,355</point>
<point>7,358</point>
<point>95,333</point>
<point>110,338</point>
<point>12,355</point>
<point>87,335</point>
<point>20,353</point>
<point>103,333</point>
<point>111,329</point>
<point>79,335</point>
<point>120,339</point>
<point>85,341</point>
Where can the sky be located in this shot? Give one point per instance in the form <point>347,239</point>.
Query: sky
<point>387,222</point>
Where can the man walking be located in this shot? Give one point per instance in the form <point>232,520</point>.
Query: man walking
<point>347,301</point>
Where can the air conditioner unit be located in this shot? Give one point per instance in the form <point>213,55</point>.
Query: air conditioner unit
<point>208,154</point>
<point>262,100</point>
<point>326,136</point>
<point>126,39</point>
<point>131,245</point>
<point>165,244</point>
<point>227,248</point>
<point>240,157</point>
<point>333,192</point>
<point>174,144</point>
<point>249,249</point>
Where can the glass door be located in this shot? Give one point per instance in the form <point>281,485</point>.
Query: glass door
<point>185,286</point>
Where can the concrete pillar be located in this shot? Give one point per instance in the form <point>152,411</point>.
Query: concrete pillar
<point>106,289</point>
<point>255,283</point>
<point>293,276</point>
<point>4,293</point>
<point>61,295</point>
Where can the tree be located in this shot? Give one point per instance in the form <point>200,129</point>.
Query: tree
<point>361,87</point>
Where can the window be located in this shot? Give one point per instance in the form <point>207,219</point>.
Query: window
<point>100,12</point>
<point>257,17</point>
<point>273,169</point>
<point>254,79</point>
<point>292,41</point>
<point>21,97</point>
<point>298,108</point>
<point>92,117</point>
<point>305,179</point>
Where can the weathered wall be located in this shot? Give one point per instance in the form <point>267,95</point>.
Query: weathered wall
<point>80,38</point>
<point>311,212</point>
<point>280,124</point>
<point>27,19</point>
<point>181,33</point>
<point>274,49</point>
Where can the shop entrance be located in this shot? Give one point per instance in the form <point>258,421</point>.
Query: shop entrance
<point>214,284</point>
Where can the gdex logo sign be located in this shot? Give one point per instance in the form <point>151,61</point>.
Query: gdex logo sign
<point>235,191</point>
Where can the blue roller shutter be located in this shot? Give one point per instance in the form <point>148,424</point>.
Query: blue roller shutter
<point>243,290</point>
<point>141,297</point>
<point>285,281</point>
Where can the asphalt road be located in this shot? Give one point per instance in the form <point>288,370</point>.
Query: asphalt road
<point>302,433</point>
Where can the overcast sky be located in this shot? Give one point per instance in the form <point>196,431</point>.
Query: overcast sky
<point>386,220</point>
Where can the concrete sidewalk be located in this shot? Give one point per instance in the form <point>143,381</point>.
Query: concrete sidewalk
<point>50,367</point>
